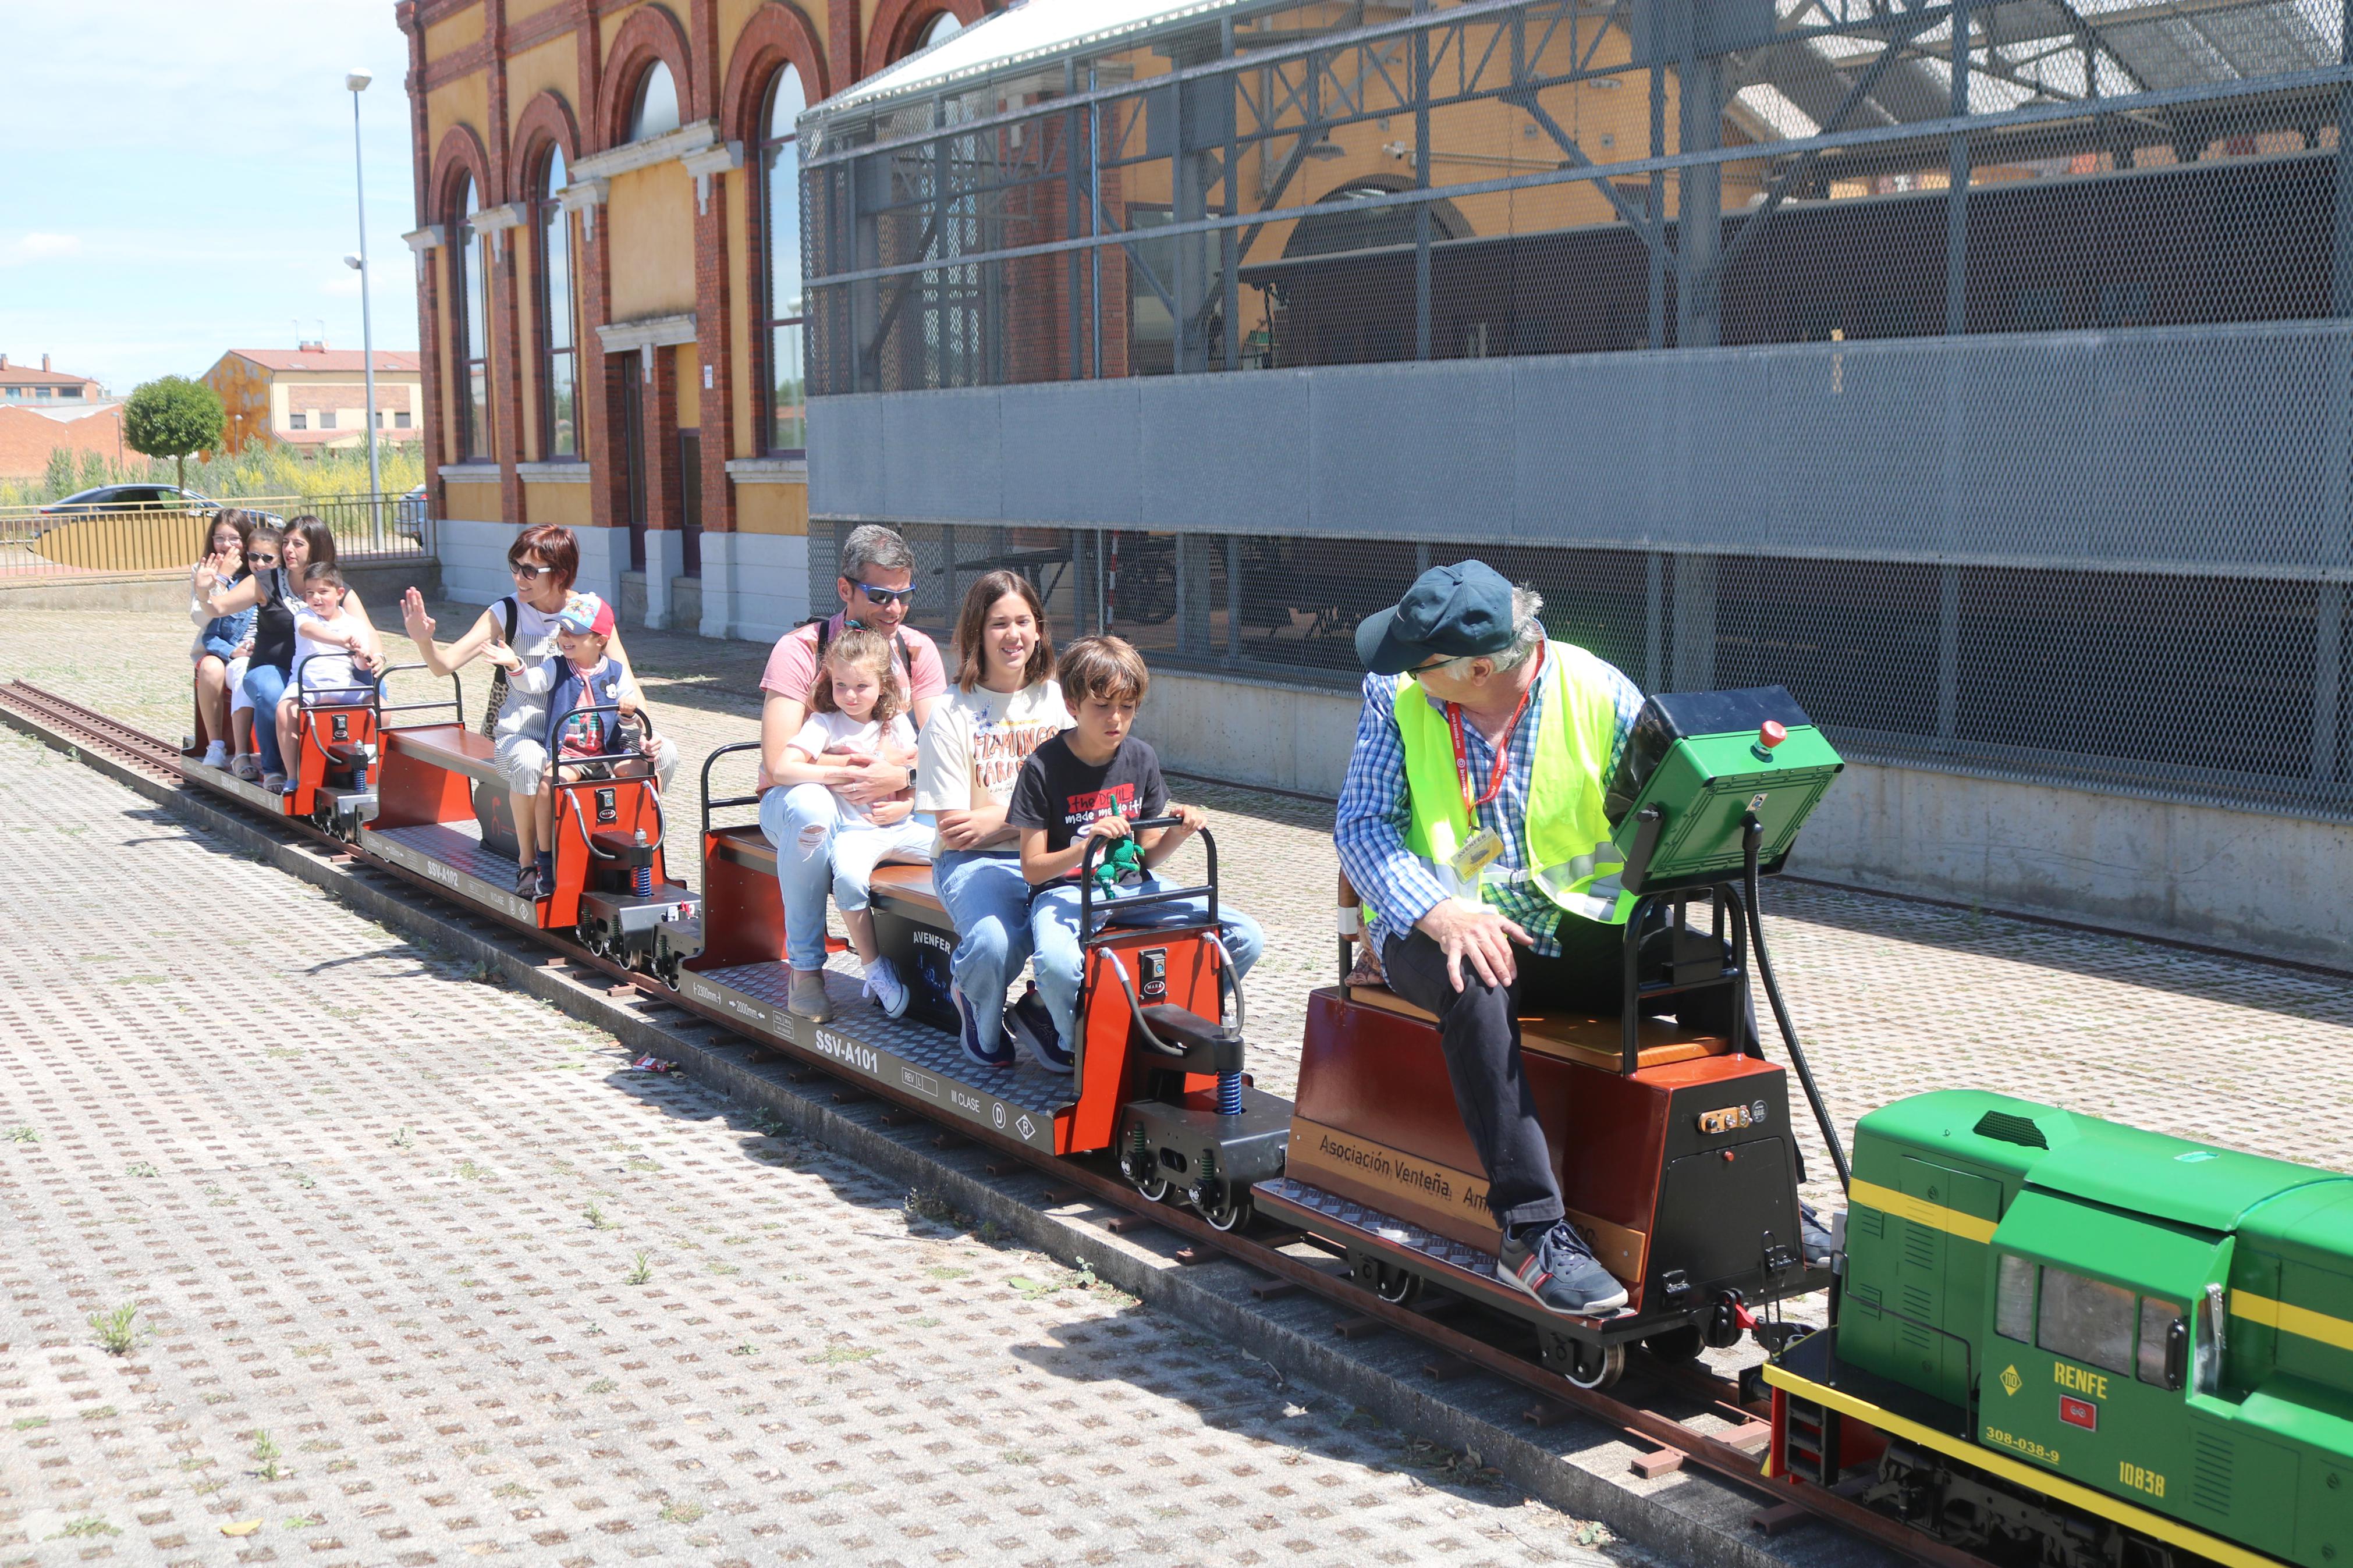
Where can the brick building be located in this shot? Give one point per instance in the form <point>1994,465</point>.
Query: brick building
<point>21,383</point>
<point>45,410</point>
<point>608,258</point>
<point>313,396</point>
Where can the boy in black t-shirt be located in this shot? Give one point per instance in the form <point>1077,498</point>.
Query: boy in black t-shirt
<point>1092,782</point>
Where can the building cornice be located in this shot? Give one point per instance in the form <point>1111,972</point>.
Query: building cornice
<point>666,148</point>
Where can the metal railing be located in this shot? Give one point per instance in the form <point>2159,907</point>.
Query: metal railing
<point>83,539</point>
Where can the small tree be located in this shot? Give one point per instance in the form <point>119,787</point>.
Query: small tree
<point>172,418</point>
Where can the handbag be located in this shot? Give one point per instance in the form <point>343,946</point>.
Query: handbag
<point>509,613</point>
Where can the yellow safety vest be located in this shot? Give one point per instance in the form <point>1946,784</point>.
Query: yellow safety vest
<point>1572,859</point>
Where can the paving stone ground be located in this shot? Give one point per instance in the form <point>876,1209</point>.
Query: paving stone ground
<point>419,1271</point>
<point>162,1056</point>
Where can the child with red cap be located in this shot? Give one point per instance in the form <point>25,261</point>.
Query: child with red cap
<point>579,680</point>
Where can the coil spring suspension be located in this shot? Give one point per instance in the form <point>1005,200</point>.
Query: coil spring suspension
<point>1230,1094</point>
<point>642,879</point>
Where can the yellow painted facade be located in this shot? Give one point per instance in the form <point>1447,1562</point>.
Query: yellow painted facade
<point>652,216</point>
<point>772,508</point>
<point>565,506</point>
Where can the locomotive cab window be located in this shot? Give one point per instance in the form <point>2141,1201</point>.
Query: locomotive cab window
<point>2013,1317</point>
<point>2087,1320</point>
<point>2164,1343</point>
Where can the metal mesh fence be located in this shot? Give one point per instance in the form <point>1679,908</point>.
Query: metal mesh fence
<point>1982,371</point>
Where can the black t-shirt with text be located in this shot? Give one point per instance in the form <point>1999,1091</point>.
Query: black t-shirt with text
<point>1061,793</point>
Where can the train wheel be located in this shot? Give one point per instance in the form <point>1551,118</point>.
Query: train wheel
<point>1153,1188</point>
<point>1676,1344</point>
<point>1397,1286</point>
<point>1596,1366</point>
<point>1229,1216</point>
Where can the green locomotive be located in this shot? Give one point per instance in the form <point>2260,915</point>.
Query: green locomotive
<point>2070,1342</point>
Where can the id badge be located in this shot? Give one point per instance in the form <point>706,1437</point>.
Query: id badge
<point>1474,858</point>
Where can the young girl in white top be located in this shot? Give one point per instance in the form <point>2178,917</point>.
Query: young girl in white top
<point>1006,705</point>
<point>858,710</point>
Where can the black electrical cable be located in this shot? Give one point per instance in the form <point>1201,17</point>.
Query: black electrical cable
<point>1752,835</point>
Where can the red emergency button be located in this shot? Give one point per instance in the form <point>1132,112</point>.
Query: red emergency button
<point>2079,1413</point>
<point>1772,733</point>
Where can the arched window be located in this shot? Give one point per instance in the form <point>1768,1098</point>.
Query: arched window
<point>781,301</point>
<point>656,106</point>
<point>559,429</point>
<point>470,332</point>
<point>938,29</point>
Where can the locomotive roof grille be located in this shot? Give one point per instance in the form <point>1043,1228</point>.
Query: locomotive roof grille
<point>2009,1129</point>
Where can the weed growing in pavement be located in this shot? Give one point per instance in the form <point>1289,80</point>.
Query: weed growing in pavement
<point>116,1331</point>
<point>267,1453</point>
<point>483,974</point>
<point>104,1413</point>
<point>931,1207</point>
<point>746,1348</point>
<point>640,1274</point>
<point>402,1139</point>
<point>927,1322</point>
<point>720,1269</point>
<point>78,1527</point>
<point>640,1162</point>
<point>1018,1457</point>
<point>23,1135</point>
<point>304,1521</point>
<point>1594,1535</point>
<point>27,1422</point>
<point>511,1488</point>
<point>597,1220</point>
<point>304,1179</point>
<point>944,1271</point>
<point>602,1385</point>
<point>140,1168</point>
<point>681,1513</point>
<point>1462,1468</point>
<point>837,1355</point>
<point>990,1233</point>
<point>471,1171</point>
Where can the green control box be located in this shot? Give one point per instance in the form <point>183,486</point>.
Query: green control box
<point>1696,765</point>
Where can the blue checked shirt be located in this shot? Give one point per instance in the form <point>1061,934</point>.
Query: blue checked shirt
<point>1375,811</point>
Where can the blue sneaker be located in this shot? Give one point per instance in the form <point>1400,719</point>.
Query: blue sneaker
<point>998,1053</point>
<point>1034,1026</point>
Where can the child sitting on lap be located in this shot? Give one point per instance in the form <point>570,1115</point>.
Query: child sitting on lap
<point>858,710</point>
<point>578,680</point>
<point>324,639</point>
<point>1092,782</point>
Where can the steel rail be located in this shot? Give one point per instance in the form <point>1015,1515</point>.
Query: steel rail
<point>77,725</point>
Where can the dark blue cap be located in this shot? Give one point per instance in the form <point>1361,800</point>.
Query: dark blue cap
<point>1452,612</point>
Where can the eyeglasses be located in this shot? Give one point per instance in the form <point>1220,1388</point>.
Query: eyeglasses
<point>887,596</point>
<point>530,573</point>
<point>1444,659</point>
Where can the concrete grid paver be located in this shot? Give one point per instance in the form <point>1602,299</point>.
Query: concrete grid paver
<point>391,1217</point>
<point>1892,997</point>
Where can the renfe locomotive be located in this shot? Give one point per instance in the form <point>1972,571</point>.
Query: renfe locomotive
<point>2054,1338</point>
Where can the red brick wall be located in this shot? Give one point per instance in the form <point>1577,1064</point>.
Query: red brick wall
<point>28,438</point>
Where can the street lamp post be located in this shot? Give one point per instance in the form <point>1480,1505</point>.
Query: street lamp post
<point>358,81</point>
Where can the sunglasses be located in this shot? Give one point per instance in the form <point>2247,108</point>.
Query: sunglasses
<point>531,574</point>
<point>887,596</point>
<point>261,560</point>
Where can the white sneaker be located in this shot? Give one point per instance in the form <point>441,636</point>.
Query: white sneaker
<point>890,992</point>
<point>216,755</point>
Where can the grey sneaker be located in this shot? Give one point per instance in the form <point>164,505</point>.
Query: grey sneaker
<point>808,999</point>
<point>1560,1272</point>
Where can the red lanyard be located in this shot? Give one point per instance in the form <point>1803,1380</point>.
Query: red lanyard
<point>1503,751</point>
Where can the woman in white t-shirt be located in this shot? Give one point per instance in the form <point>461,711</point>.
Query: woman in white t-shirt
<point>857,712</point>
<point>1006,705</point>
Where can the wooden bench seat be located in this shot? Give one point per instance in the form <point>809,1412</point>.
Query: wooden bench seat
<point>1576,1037</point>
<point>450,746</point>
<point>908,887</point>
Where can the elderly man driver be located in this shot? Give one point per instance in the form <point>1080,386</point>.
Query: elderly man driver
<point>1481,760</point>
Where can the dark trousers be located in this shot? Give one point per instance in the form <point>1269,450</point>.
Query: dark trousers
<point>1479,1028</point>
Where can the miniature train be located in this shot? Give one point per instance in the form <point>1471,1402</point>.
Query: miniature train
<point>2068,1339</point>
<point>1933,1393</point>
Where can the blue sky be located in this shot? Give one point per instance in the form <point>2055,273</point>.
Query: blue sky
<point>175,180</point>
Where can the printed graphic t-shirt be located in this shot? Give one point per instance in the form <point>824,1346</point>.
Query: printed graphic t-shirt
<point>1061,793</point>
<point>972,750</point>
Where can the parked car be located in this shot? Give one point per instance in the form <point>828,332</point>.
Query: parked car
<point>408,520</point>
<point>130,498</point>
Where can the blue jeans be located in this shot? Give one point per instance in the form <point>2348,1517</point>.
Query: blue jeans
<point>265,684</point>
<point>1060,961</point>
<point>988,899</point>
<point>801,822</point>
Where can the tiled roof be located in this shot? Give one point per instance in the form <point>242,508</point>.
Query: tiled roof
<point>327,359</point>
<point>29,375</point>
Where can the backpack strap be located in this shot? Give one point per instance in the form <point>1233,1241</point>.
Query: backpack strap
<point>509,614</point>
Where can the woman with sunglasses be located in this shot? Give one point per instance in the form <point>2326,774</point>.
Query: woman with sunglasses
<point>543,561</point>
<point>275,560</point>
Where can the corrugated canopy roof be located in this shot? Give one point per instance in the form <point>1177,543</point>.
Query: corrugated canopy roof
<point>1024,34</point>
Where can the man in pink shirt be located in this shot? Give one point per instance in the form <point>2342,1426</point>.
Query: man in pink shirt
<point>878,579</point>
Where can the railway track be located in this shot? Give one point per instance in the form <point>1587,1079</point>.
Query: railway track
<point>1458,1346</point>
